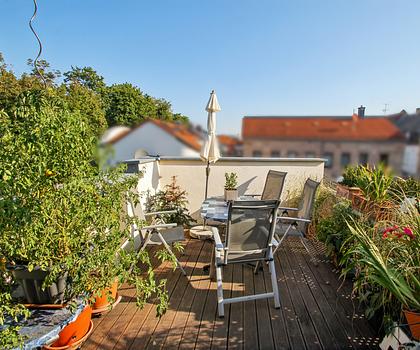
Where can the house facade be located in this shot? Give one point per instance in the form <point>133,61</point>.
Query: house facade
<point>342,141</point>
<point>156,138</point>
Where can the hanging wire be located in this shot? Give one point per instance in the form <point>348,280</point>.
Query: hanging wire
<point>39,43</point>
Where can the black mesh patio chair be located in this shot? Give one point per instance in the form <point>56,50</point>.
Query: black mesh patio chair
<point>249,235</point>
<point>273,186</point>
<point>296,224</point>
<point>157,231</point>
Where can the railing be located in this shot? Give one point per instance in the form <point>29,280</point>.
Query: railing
<point>191,175</point>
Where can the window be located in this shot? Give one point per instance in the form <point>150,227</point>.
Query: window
<point>363,158</point>
<point>256,153</point>
<point>291,154</point>
<point>275,154</point>
<point>328,156</point>
<point>384,158</point>
<point>310,155</point>
<point>345,159</point>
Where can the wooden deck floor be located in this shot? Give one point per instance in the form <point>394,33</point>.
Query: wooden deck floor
<point>315,313</point>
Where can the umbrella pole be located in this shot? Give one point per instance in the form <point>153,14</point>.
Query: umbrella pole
<point>207,186</point>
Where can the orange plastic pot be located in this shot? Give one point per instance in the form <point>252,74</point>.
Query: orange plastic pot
<point>413,320</point>
<point>73,346</point>
<point>75,330</point>
<point>102,300</point>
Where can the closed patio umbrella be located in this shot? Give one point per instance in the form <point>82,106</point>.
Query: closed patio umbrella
<point>210,153</point>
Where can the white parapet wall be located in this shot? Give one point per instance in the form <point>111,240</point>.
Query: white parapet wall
<point>191,175</point>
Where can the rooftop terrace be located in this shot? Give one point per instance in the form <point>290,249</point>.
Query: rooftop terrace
<point>316,308</point>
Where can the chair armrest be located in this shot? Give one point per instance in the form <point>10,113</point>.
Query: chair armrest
<point>159,226</point>
<point>217,241</point>
<point>287,209</point>
<point>288,218</point>
<point>161,212</point>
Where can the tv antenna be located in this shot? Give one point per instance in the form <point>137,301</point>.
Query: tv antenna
<point>386,109</point>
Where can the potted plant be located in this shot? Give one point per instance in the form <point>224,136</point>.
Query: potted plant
<point>172,197</point>
<point>231,183</point>
<point>389,263</point>
<point>349,184</point>
<point>61,209</point>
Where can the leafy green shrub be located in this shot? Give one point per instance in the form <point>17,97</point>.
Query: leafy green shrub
<point>387,261</point>
<point>350,175</point>
<point>172,197</point>
<point>231,181</point>
<point>375,183</point>
<point>59,210</point>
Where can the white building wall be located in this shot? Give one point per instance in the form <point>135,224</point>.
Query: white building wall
<point>191,176</point>
<point>153,140</point>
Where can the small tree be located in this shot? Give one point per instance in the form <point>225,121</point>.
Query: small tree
<point>171,198</point>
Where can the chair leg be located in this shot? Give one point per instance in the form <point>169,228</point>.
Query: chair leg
<point>168,248</point>
<point>303,241</point>
<point>274,284</point>
<point>220,306</point>
<point>282,239</point>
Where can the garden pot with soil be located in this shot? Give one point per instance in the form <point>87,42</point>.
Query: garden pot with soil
<point>107,297</point>
<point>413,320</point>
<point>31,285</point>
<point>74,331</point>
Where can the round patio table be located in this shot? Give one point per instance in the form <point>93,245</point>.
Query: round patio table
<point>216,208</point>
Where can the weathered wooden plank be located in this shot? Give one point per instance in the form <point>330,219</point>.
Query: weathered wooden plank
<point>305,322</point>
<point>201,284</point>
<point>265,334</point>
<point>236,324</point>
<point>294,332</point>
<point>325,336</point>
<point>221,325</point>
<point>278,325</point>
<point>145,334</point>
<point>164,271</point>
<point>250,313</point>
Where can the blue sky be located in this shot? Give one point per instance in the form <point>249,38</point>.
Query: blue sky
<point>277,57</point>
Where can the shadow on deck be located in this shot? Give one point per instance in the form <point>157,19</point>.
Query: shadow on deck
<point>316,310</point>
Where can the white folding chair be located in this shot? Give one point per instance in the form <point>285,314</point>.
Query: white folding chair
<point>297,224</point>
<point>157,231</point>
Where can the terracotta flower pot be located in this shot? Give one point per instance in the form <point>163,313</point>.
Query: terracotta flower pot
<point>358,202</point>
<point>413,320</point>
<point>75,330</point>
<point>74,346</point>
<point>231,195</point>
<point>102,301</point>
<point>343,191</point>
<point>356,191</point>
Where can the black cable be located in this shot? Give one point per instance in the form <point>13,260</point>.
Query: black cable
<point>39,43</point>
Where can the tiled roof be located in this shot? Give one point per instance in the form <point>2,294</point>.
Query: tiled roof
<point>179,131</point>
<point>228,140</point>
<point>321,128</point>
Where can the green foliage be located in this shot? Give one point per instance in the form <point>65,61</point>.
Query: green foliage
<point>85,90</point>
<point>172,197</point>
<point>59,209</point>
<point>231,181</point>
<point>351,174</point>
<point>375,183</point>
<point>86,77</point>
<point>387,264</point>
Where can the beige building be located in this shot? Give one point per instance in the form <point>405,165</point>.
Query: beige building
<point>341,141</point>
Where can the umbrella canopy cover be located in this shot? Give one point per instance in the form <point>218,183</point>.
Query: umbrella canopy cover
<point>210,150</point>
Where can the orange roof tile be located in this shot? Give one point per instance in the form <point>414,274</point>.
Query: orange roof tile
<point>228,140</point>
<point>320,128</point>
<point>179,131</point>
